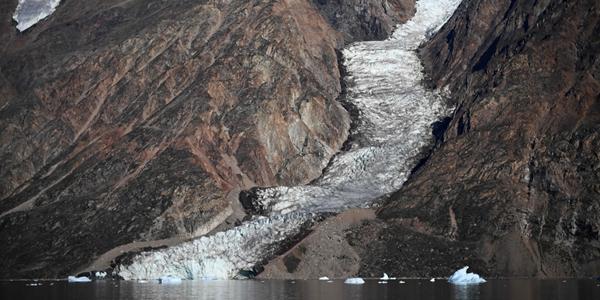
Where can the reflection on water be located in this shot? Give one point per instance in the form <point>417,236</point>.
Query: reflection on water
<point>517,289</point>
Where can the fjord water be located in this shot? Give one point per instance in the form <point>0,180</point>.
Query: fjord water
<point>510,289</point>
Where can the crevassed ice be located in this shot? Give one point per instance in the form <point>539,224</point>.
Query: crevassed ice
<point>29,12</point>
<point>219,256</point>
<point>396,114</point>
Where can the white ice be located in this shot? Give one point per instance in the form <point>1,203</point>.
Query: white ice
<point>385,277</point>
<point>324,278</point>
<point>78,279</point>
<point>169,280</point>
<point>356,280</point>
<point>396,113</point>
<point>461,277</point>
<point>100,275</point>
<point>220,256</point>
<point>29,12</point>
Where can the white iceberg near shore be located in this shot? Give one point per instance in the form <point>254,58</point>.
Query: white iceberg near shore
<point>169,280</point>
<point>355,280</point>
<point>461,277</point>
<point>78,279</point>
<point>324,278</point>
<point>385,277</point>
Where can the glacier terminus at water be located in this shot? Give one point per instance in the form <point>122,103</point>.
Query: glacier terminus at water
<point>396,113</point>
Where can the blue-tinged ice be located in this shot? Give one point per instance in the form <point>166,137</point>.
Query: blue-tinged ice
<point>169,280</point>
<point>461,277</point>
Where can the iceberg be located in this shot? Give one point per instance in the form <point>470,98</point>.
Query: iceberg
<point>385,277</point>
<point>169,280</point>
<point>78,279</point>
<point>432,280</point>
<point>324,278</point>
<point>355,280</point>
<point>461,277</point>
<point>100,275</point>
<point>401,282</point>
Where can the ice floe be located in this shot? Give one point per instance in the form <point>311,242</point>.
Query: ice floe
<point>169,280</point>
<point>461,277</point>
<point>324,278</point>
<point>385,277</point>
<point>78,279</point>
<point>354,280</point>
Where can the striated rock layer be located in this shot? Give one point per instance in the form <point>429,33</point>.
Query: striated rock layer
<point>128,124</point>
<point>513,188</point>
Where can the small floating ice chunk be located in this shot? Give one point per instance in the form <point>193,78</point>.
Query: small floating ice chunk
<point>385,277</point>
<point>78,279</point>
<point>355,280</point>
<point>100,275</point>
<point>462,277</point>
<point>169,280</point>
<point>33,284</point>
<point>432,280</point>
<point>401,282</point>
<point>382,282</point>
<point>324,278</point>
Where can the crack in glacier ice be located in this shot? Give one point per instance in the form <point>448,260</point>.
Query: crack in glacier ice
<point>396,111</point>
<point>29,12</point>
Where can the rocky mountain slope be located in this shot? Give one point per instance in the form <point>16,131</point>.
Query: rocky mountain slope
<point>128,124</point>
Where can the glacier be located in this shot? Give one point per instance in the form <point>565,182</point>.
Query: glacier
<point>29,12</point>
<point>385,83</point>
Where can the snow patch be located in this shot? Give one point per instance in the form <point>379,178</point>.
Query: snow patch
<point>355,280</point>
<point>461,277</point>
<point>30,12</point>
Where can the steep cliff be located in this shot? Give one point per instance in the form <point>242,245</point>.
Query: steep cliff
<point>513,187</point>
<point>127,124</point>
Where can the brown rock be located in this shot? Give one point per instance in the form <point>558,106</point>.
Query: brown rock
<point>128,124</point>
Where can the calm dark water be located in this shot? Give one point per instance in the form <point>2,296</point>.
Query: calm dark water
<point>516,289</point>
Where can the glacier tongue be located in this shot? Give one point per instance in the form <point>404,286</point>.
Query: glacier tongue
<point>29,12</point>
<point>396,113</point>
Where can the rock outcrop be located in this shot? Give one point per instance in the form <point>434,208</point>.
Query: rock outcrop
<point>513,186</point>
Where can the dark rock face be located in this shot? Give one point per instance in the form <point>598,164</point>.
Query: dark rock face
<point>129,124</point>
<point>365,20</point>
<point>514,189</point>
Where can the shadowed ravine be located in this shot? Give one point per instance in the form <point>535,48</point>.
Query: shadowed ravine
<point>396,113</point>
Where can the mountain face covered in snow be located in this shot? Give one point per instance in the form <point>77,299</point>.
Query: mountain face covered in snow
<point>133,124</point>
